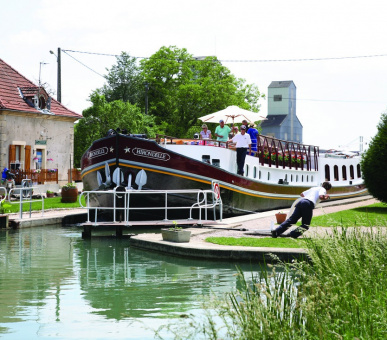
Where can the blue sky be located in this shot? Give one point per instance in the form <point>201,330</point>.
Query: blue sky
<point>338,100</point>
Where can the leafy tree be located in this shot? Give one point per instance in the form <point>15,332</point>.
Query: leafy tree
<point>374,163</point>
<point>183,88</point>
<point>124,81</point>
<point>104,115</point>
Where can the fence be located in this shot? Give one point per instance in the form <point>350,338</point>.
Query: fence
<point>36,176</point>
<point>75,175</point>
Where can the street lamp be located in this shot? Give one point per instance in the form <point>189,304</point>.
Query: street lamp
<point>59,78</point>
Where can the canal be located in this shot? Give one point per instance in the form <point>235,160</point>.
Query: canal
<point>55,285</point>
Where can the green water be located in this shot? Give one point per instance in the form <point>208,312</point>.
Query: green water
<point>54,285</point>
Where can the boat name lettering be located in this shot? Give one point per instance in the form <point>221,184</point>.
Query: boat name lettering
<point>98,152</point>
<point>151,154</point>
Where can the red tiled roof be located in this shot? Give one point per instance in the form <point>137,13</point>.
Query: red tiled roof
<point>10,99</point>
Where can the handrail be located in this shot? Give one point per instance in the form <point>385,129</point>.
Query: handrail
<point>25,197</point>
<point>202,202</point>
<point>266,148</point>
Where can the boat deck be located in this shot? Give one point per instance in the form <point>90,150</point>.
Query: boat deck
<point>154,223</point>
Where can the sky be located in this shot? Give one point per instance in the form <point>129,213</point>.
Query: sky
<point>340,97</point>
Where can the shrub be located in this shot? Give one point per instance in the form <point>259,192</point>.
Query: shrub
<point>374,163</point>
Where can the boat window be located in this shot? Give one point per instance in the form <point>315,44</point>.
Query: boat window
<point>247,170</point>
<point>255,172</point>
<point>351,172</point>
<point>259,174</point>
<point>311,178</point>
<point>296,178</point>
<point>344,172</point>
<point>291,178</point>
<point>327,173</point>
<point>286,177</point>
<point>358,171</point>
<point>268,176</point>
<point>336,173</point>
<point>302,178</point>
<point>307,178</point>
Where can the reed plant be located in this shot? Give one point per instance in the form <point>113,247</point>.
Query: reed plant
<point>339,294</point>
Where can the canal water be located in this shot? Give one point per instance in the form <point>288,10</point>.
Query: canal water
<point>54,285</point>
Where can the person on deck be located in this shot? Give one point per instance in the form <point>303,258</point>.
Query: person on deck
<point>304,210</point>
<point>222,131</point>
<point>254,134</point>
<point>205,133</point>
<point>243,142</point>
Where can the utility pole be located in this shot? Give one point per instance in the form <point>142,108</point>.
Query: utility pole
<point>146,97</point>
<point>59,77</point>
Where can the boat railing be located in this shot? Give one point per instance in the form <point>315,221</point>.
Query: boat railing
<point>271,151</point>
<point>122,203</point>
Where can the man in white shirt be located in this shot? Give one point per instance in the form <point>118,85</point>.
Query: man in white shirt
<point>243,142</point>
<point>304,210</point>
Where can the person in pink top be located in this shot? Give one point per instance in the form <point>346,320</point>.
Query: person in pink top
<point>205,133</point>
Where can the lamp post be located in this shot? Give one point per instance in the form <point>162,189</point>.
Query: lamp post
<point>59,78</point>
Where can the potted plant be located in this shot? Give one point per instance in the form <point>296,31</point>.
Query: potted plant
<point>50,193</point>
<point>69,193</point>
<point>3,216</point>
<point>281,217</point>
<point>176,234</point>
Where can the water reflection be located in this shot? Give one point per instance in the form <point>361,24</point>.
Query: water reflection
<point>53,282</point>
<point>124,282</point>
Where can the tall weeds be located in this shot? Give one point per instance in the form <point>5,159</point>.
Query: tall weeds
<point>340,294</point>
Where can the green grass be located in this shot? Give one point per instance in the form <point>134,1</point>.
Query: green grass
<point>49,203</point>
<point>258,242</point>
<point>370,215</point>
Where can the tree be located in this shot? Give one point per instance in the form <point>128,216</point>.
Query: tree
<point>374,163</point>
<point>104,115</point>
<point>183,88</point>
<point>124,81</point>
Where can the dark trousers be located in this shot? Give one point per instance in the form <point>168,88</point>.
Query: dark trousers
<point>304,210</point>
<point>241,156</point>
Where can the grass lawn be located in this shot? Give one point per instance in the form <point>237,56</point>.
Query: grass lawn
<point>49,203</point>
<point>281,242</point>
<point>374,215</point>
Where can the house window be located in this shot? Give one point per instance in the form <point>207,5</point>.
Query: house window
<point>278,97</point>
<point>358,171</point>
<point>38,159</point>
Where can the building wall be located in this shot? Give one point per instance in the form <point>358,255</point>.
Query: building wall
<point>288,126</point>
<point>278,107</point>
<point>52,135</point>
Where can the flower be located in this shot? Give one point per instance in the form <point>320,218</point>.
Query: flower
<point>36,171</point>
<point>35,158</point>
